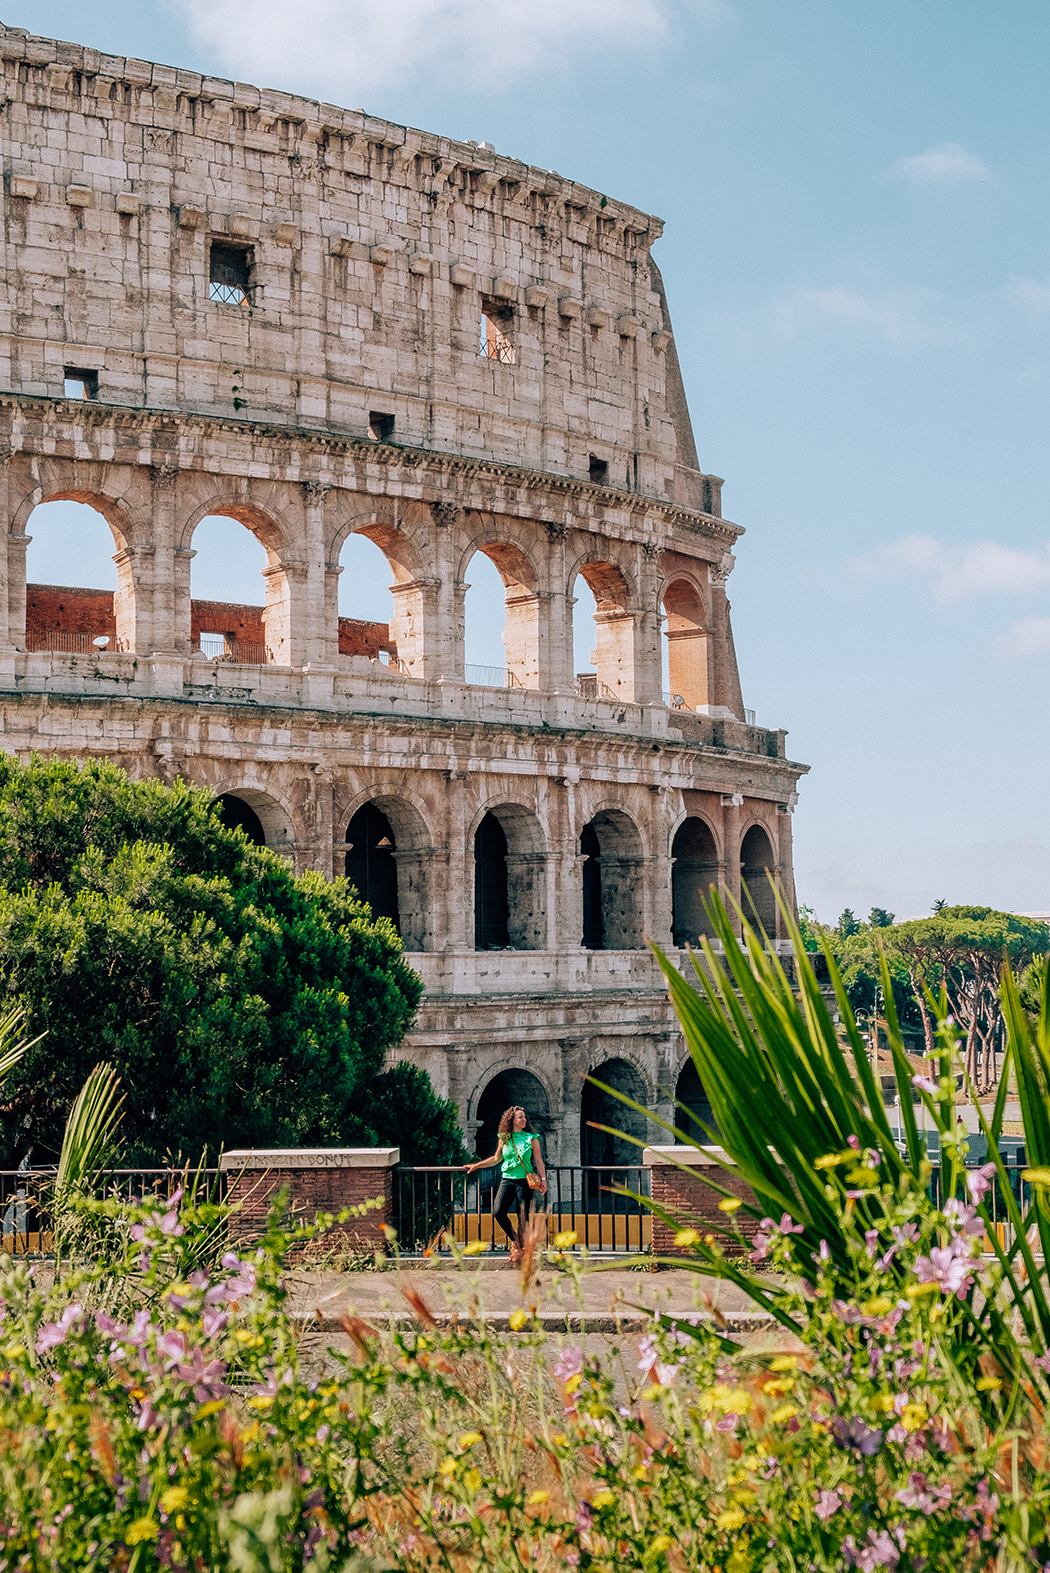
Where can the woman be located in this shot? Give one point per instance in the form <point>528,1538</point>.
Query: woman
<point>518,1150</point>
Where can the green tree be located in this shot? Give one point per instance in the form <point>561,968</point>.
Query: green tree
<point>407,1113</point>
<point>879,918</point>
<point>848,924</point>
<point>239,1004</point>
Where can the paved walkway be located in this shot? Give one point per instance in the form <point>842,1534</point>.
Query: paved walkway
<point>606,1299</point>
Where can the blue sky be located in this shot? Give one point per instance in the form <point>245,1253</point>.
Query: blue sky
<point>857,256</point>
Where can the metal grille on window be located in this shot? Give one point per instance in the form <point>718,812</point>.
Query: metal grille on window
<point>229,270</point>
<point>496,343</point>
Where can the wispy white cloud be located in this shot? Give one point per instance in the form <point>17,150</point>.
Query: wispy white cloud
<point>955,572</point>
<point>900,316</point>
<point>347,49</point>
<point>1031,295</point>
<point>1027,636</point>
<point>945,165</point>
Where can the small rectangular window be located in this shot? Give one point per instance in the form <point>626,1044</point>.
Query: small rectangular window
<point>80,384</point>
<point>229,273</point>
<point>380,427</point>
<point>497,331</point>
<point>599,470</point>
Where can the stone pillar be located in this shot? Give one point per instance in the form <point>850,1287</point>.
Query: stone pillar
<point>729,866</point>
<point>444,657</point>
<point>415,885</point>
<point>691,1203</point>
<point>413,627</point>
<point>324,820</point>
<point>315,637</point>
<point>660,906</point>
<point>182,557</point>
<point>648,682</point>
<point>522,638</point>
<point>527,897</point>
<point>785,872</point>
<point>164,610</point>
<point>559,674</point>
<point>15,602</point>
<point>283,619</point>
<point>318,1179</point>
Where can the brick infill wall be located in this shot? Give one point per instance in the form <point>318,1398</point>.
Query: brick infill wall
<point>318,1179</point>
<point>694,1205</point>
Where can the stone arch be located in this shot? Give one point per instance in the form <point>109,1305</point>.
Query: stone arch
<point>523,637</point>
<point>277,824</point>
<point>283,575</point>
<point>504,1085</point>
<point>510,879</point>
<point>403,884</point>
<point>688,637</point>
<point>598,1107</point>
<point>689,1091</point>
<point>121,524</point>
<point>694,871</point>
<point>757,898</point>
<point>408,626</point>
<point>611,844</point>
<point>615,623</point>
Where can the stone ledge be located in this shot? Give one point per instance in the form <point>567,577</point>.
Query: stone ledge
<point>285,1159</point>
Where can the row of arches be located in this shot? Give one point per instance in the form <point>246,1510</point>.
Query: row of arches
<point>607,643</point>
<point>386,850</point>
<point>609,1130</point>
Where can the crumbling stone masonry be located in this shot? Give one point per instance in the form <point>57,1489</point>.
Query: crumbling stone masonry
<point>319,323</point>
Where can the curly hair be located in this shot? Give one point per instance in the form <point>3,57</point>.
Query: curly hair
<point>506,1124</point>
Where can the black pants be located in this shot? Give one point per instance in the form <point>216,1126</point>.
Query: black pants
<point>513,1195</point>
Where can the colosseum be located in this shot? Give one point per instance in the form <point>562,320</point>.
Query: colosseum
<point>227,301</point>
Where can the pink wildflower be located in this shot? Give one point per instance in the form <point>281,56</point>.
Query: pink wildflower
<point>827,1502</point>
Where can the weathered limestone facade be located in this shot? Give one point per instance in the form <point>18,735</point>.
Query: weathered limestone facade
<point>338,388</point>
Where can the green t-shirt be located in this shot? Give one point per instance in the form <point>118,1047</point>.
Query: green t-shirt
<point>517,1154</point>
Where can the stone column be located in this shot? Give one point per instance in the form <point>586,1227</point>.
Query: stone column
<point>444,657</point>
<point>729,867</point>
<point>15,601</point>
<point>164,611</point>
<point>559,674</point>
<point>659,906</point>
<point>648,683</point>
<point>324,820</point>
<point>181,558</point>
<point>315,638</point>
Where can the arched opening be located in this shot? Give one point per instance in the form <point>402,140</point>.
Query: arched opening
<point>366,602</point>
<point>687,640</point>
<point>603,634</point>
<point>259,815</point>
<point>597,1107</point>
<point>76,599</point>
<point>510,901</point>
<point>370,864</point>
<point>611,878</point>
<point>757,897</point>
<point>689,1091</point>
<point>236,814</point>
<point>593,928</point>
<point>501,619</point>
<point>229,592</point>
<point>694,872</point>
<point>510,1088</point>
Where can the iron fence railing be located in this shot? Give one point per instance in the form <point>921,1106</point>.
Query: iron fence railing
<point>66,641</point>
<point>431,1207</point>
<point>25,1217</point>
<point>491,677</point>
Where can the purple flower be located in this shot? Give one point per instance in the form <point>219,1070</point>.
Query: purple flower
<point>728,1422</point>
<point>902,1232</point>
<point>659,1371</point>
<point>570,1363</point>
<point>584,1517</point>
<point>827,1502</point>
<point>171,1347</point>
<point>846,1313</point>
<point>871,1240</point>
<point>854,1142</point>
<point>235,1288</point>
<point>214,1322</point>
<point>148,1418</point>
<point>946,1267</point>
<point>788,1226</point>
<point>825,1251</point>
<point>207,1378</point>
<point>1043,1362</point>
<point>918,1493</point>
<point>978,1182</point>
<point>878,1551</point>
<point>924,1084</point>
<point>963,1217</point>
<point>856,1436</point>
<point>884,1261</point>
<point>54,1333</point>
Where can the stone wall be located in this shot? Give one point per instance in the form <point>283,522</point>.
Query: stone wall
<point>343,388</point>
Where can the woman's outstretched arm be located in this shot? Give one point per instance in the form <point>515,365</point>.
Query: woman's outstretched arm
<point>487,1163</point>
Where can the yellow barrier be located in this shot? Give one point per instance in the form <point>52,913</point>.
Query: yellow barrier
<point>27,1244</point>
<point>609,1231</point>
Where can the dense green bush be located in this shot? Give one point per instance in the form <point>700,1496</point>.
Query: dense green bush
<point>240,1005</point>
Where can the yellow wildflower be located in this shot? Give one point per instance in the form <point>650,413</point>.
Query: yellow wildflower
<point>729,1204</point>
<point>913,1416</point>
<point>831,1160</point>
<point>784,1413</point>
<point>732,1518</point>
<point>448,1467</point>
<point>468,1439</point>
<point>472,1479</point>
<point>573,1382</point>
<point>988,1384</point>
<point>566,1239</point>
<point>687,1238</point>
<point>536,1497</point>
<point>779,1384</point>
<point>739,1561</point>
<point>517,1320</point>
<point>142,1529</point>
<point>561,1440</point>
<point>475,1248</point>
<point>913,1291</point>
<point>784,1363</point>
<point>1036,1176</point>
<point>603,1498</point>
<point>212,1407</point>
<point>174,1499</point>
<point>662,1543</point>
<point>863,1176</point>
<point>260,1401</point>
<point>879,1306</point>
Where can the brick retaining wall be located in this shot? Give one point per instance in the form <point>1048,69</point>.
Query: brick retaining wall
<point>318,1180</point>
<point>682,1192</point>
